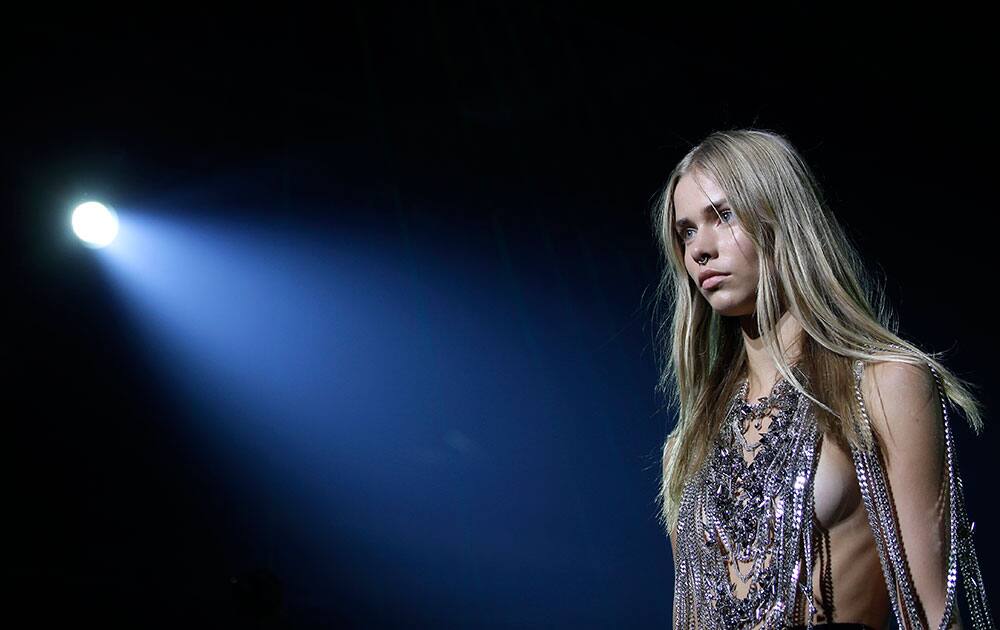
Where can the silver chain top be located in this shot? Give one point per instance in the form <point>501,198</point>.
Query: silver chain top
<point>756,518</point>
<point>748,517</point>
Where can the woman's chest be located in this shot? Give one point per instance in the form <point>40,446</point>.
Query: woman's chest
<point>837,494</point>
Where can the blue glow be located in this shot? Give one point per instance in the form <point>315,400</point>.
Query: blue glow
<point>394,411</point>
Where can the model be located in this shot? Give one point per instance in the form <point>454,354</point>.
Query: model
<point>811,478</point>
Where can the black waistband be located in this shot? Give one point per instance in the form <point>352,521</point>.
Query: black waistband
<point>834,626</point>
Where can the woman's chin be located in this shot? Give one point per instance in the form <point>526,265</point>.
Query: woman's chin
<point>728,308</point>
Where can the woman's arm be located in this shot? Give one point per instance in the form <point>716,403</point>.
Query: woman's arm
<point>904,408</point>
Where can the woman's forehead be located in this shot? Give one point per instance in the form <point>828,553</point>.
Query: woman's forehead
<point>694,191</point>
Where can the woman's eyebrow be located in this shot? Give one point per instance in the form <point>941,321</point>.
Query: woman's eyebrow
<point>709,209</point>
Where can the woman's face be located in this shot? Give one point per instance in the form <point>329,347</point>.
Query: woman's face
<point>720,244</point>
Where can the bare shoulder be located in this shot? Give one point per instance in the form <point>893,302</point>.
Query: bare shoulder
<point>903,405</point>
<point>892,379</point>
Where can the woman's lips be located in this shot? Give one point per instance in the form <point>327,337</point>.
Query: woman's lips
<point>713,282</point>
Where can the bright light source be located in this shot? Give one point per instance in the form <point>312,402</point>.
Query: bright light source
<point>95,223</point>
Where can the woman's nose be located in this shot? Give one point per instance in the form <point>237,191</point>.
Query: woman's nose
<point>700,247</point>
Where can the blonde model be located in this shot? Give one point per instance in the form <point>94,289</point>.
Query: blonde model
<point>811,477</point>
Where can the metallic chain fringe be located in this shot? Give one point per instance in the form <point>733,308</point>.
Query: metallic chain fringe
<point>878,504</point>
<point>703,594</point>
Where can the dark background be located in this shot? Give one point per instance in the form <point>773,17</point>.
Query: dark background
<point>484,125</point>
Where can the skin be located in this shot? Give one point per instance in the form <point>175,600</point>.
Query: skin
<point>858,583</point>
<point>729,250</point>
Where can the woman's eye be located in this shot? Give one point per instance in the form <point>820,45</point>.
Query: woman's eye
<point>726,214</point>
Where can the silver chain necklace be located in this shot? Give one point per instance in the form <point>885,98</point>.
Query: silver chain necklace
<point>755,413</point>
<point>756,515</point>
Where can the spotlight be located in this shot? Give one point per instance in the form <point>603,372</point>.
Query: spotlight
<point>95,223</point>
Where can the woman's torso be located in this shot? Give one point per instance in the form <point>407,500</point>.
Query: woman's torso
<point>848,584</point>
<point>847,559</point>
<point>847,581</point>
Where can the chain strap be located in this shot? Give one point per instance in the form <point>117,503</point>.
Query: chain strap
<point>874,492</point>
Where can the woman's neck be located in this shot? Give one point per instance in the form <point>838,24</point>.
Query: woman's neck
<point>761,367</point>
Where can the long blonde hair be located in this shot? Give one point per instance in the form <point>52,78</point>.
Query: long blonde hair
<point>808,266</point>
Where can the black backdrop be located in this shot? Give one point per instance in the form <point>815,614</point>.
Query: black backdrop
<point>545,116</point>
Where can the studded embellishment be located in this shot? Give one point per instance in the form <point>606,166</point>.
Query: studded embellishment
<point>744,528</point>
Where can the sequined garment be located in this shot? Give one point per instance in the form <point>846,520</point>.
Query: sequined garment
<point>751,513</point>
<point>760,516</point>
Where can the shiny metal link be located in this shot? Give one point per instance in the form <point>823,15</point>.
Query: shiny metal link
<point>884,524</point>
<point>761,514</point>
